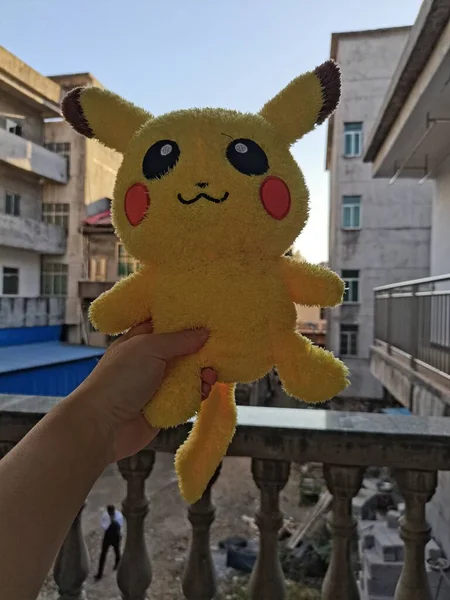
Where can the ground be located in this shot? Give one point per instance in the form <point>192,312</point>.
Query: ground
<point>167,529</point>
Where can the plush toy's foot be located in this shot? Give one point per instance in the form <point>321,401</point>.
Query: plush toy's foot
<point>307,371</point>
<point>198,458</point>
<point>179,397</point>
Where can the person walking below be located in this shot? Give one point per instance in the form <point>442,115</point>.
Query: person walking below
<point>111,521</point>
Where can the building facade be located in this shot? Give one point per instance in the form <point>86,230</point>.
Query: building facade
<point>378,233</point>
<point>27,168</point>
<point>49,177</point>
<point>93,169</point>
<point>410,141</point>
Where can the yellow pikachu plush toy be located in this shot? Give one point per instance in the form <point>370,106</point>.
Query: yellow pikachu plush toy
<point>209,201</point>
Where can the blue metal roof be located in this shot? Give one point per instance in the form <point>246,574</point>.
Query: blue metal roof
<point>396,411</point>
<point>30,356</point>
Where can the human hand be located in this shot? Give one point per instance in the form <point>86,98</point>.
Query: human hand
<point>126,378</point>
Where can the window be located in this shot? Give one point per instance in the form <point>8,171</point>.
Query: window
<point>97,269</point>
<point>57,214</point>
<point>54,279</point>
<point>351,212</point>
<point>349,340</point>
<point>13,127</point>
<point>61,148</point>
<point>126,264</point>
<point>12,204</point>
<point>351,280</point>
<point>10,281</point>
<point>352,139</point>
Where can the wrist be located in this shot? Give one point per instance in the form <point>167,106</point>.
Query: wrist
<point>90,425</point>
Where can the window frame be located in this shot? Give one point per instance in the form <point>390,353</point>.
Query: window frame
<point>349,280</point>
<point>352,206</point>
<point>15,275</point>
<point>62,149</point>
<point>14,127</point>
<point>353,132</point>
<point>130,261</point>
<point>351,334</point>
<point>52,216</point>
<point>98,268</point>
<point>50,272</point>
<point>16,202</point>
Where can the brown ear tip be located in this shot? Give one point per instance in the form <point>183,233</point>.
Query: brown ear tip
<point>72,111</point>
<point>329,75</point>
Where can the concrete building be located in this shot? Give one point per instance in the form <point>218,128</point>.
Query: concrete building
<point>49,177</point>
<point>411,141</point>
<point>106,259</point>
<point>378,233</point>
<point>93,169</point>
<point>27,168</point>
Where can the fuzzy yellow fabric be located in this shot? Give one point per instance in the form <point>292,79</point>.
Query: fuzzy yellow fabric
<point>291,116</point>
<point>217,261</point>
<point>127,117</point>
<point>198,458</point>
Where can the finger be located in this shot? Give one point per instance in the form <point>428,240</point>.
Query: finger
<point>143,328</point>
<point>206,390</point>
<point>179,343</point>
<point>209,376</point>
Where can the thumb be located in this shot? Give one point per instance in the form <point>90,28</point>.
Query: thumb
<point>179,343</point>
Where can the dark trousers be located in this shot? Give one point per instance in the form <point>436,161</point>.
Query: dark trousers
<point>107,543</point>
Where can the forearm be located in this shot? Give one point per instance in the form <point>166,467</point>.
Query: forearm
<point>43,483</point>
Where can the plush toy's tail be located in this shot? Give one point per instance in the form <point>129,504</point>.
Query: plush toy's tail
<point>198,458</point>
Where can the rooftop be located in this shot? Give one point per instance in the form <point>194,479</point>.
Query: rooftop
<point>103,218</point>
<point>30,356</point>
<point>20,79</point>
<point>76,79</point>
<point>425,33</point>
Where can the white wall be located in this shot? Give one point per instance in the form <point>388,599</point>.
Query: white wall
<point>29,265</point>
<point>393,243</point>
<point>27,186</point>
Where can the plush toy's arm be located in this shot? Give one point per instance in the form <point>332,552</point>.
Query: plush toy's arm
<point>124,305</point>
<point>311,285</point>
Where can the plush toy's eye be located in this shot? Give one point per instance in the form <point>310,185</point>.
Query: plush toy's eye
<point>247,157</point>
<point>160,158</point>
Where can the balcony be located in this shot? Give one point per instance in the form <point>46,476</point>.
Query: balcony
<point>411,352</point>
<point>32,158</point>
<point>89,290</point>
<point>346,443</point>
<point>31,312</point>
<point>28,234</point>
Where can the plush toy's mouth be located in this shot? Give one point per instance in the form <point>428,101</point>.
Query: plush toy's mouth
<point>205,196</point>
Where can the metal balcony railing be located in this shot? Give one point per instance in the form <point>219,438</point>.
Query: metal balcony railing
<point>413,317</point>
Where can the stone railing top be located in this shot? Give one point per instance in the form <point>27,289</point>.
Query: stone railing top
<point>291,434</point>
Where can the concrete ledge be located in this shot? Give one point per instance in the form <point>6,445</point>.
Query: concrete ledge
<point>299,435</point>
<point>28,234</point>
<point>33,158</point>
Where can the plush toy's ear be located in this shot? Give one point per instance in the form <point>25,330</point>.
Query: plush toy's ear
<point>307,101</point>
<point>99,114</point>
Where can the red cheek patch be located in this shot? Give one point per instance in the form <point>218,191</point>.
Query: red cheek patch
<point>137,200</point>
<point>275,197</point>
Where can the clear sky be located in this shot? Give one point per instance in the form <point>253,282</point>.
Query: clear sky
<point>170,54</point>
